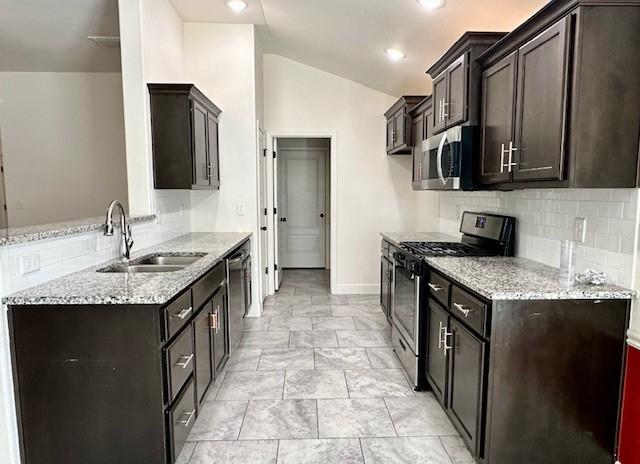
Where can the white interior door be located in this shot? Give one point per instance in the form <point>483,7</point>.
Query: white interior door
<point>277,232</point>
<point>262,213</point>
<point>302,207</point>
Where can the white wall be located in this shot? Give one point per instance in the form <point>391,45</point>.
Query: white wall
<point>373,190</point>
<point>63,145</point>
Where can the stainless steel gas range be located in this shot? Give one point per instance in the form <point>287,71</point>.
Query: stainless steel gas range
<point>483,234</point>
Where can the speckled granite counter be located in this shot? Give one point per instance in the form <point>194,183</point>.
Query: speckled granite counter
<point>397,237</point>
<point>88,287</point>
<point>25,234</point>
<point>500,278</point>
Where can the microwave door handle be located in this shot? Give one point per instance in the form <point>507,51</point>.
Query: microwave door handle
<point>439,160</point>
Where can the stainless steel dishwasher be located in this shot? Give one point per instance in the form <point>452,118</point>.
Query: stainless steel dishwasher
<point>239,282</point>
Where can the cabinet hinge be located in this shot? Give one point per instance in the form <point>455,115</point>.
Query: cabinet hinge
<point>265,211</point>
<point>264,152</point>
<point>274,155</point>
<point>275,267</point>
<point>275,210</point>
<point>266,270</point>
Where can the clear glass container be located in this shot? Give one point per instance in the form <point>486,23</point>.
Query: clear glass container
<point>567,274</point>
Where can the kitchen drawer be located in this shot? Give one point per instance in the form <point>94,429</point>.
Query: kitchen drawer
<point>439,288</point>
<point>407,357</point>
<point>470,309</point>
<point>208,284</point>
<point>178,313</point>
<point>181,419</point>
<point>180,362</point>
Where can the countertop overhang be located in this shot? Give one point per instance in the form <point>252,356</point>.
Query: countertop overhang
<point>88,287</point>
<point>510,278</point>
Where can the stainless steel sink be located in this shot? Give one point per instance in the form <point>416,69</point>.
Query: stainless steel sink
<point>135,268</point>
<point>158,263</point>
<point>170,260</point>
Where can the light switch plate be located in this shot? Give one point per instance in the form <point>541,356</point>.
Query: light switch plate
<point>580,229</point>
<point>240,209</point>
<point>29,264</point>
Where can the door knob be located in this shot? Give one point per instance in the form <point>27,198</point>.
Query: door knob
<point>321,215</point>
<point>263,228</point>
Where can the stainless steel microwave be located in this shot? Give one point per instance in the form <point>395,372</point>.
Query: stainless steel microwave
<point>446,161</point>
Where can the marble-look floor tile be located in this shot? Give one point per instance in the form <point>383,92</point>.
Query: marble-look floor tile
<point>354,418</point>
<point>377,383</point>
<point>252,324</point>
<point>354,310</point>
<point>315,384</point>
<point>250,385</point>
<point>277,311</point>
<point>313,338</point>
<point>329,299</point>
<point>244,359</point>
<point>371,322</point>
<point>363,338</point>
<point>265,340</point>
<point>270,300</point>
<point>413,450</point>
<point>295,300</point>
<point>419,416</point>
<point>457,451</point>
<point>333,323</point>
<point>280,359</point>
<point>215,388</point>
<point>235,452</point>
<point>290,323</point>
<point>321,451</point>
<point>373,299</point>
<point>185,453</point>
<point>341,358</point>
<point>383,358</point>
<point>279,419</point>
<point>218,420</point>
<point>312,311</point>
<point>313,289</point>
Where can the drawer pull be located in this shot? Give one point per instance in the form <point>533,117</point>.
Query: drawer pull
<point>184,361</point>
<point>444,341</point>
<point>213,323</point>
<point>183,314</point>
<point>462,309</point>
<point>434,287</point>
<point>187,417</point>
<point>404,348</point>
<point>440,335</point>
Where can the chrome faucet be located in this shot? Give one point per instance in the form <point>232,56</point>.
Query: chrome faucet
<point>127,239</point>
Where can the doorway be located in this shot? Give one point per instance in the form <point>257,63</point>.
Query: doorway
<point>302,192</point>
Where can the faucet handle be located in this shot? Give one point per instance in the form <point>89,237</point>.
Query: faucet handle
<point>129,237</point>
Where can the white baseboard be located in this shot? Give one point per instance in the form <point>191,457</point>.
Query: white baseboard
<point>357,289</point>
<point>254,310</point>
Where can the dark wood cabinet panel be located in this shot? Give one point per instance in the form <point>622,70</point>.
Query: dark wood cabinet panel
<point>541,105</point>
<point>455,106</point>
<point>220,334</point>
<point>399,125</point>
<point>184,128</point>
<point>400,128</point>
<point>203,351</point>
<point>439,102</point>
<point>390,133</point>
<point>466,379</point>
<point>436,357</point>
<point>497,121</point>
<point>417,130</point>
<point>386,269</point>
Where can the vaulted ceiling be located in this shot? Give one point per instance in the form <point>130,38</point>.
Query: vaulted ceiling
<point>348,37</point>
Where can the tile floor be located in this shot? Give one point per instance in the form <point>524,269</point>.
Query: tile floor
<point>315,381</point>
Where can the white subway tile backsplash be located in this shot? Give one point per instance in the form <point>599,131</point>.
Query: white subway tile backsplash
<point>547,216</point>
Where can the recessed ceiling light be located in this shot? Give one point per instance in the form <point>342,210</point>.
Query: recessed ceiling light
<point>432,3</point>
<point>237,5</point>
<point>394,54</point>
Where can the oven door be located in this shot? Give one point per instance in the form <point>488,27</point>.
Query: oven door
<point>441,157</point>
<point>406,303</point>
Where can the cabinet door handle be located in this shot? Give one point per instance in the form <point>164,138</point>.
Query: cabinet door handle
<point>445,104</point>
<point>462,309</point>
<point>184,361</point>
<point>446,347</point>
<point>217,319</point>
<point>434,287</point>
<point>183,314</point>
<point>212,321</point>
<point>210,170</point>
<point>511,150</point>
<point>440,335</point>
<point>187,417</point>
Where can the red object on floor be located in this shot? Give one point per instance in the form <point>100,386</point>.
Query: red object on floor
<point>630,425</point>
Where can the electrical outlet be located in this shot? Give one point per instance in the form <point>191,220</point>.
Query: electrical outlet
<point>29,264</point>
<point>580,229</point>
<point>240,209</point>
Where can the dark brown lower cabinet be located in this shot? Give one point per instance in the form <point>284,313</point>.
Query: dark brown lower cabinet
<point>436,357</point>
<point>466,380</point>
<point>220,332</point>
<point>203,350</point>
<point>386,270</point>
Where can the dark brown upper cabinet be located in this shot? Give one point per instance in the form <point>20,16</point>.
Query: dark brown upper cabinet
<point>421,118</point>
<point>560,99</point>
<point>184,129</point>
<point>399,125</point>
<point>456,81</point>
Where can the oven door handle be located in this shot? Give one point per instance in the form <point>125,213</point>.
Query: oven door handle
<point>443,140</point>
<point>416,334</point>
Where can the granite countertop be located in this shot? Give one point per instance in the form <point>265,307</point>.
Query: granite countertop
<point>502,278</point>
<point>88,287</point>
<point>397,237</point>
<point>14,235</point>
